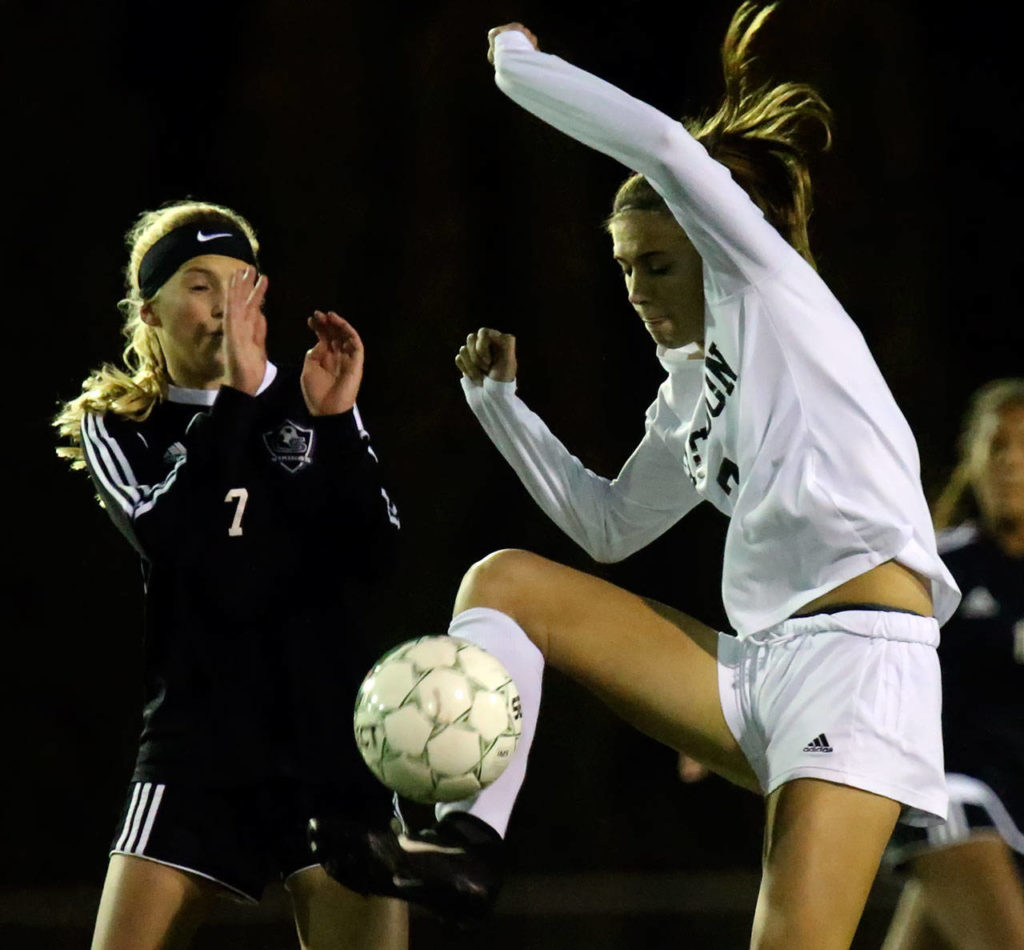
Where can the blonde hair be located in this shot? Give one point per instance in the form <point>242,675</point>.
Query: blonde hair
<point>763,133</point>
<point>956,503</point>
<point>133,390</point>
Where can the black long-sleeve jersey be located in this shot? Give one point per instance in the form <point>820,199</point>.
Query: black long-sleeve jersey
<point>982,658</point>
<point>264,533</point>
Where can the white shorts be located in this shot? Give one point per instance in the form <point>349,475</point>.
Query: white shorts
<point>853,697</point>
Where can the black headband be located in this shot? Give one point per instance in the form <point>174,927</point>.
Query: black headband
<point>191,240</point>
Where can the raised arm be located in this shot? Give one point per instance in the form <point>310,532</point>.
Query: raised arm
<point>727,228</point>
<point>608,518</point>
<point>330,381</point>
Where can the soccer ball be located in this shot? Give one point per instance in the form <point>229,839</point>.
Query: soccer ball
<point>437,719</point>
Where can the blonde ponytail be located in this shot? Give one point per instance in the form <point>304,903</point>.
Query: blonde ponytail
<point>764,134</point>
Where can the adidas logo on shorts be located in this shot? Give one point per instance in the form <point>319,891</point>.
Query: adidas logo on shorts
<point>818,744</point>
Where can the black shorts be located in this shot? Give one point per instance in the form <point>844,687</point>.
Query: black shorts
<point>241,837</point>
<point>974,809</point>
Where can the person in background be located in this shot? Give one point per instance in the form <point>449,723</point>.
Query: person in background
<point>964,889</point>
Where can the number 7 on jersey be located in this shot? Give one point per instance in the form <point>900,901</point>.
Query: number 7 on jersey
<point>239,496</point>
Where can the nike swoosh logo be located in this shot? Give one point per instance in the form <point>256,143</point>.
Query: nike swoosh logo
<point>202,238</point>
<point>410,846</point>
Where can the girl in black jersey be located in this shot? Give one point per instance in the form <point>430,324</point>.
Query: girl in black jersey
<point>252,496</point>
<point>965,889</point>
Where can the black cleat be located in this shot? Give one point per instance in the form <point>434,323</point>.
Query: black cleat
<point>454,869</point>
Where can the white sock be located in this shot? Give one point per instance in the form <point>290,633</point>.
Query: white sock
<point>505,640</point>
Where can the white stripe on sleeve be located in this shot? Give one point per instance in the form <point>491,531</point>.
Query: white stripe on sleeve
<point>128,817</point>
<point>150,818</point>
<point>102,464</point>
<point>115,448</point>
<point>129,845</point>
<point>115,473</point>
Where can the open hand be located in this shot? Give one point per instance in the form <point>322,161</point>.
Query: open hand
<point>491,34</point>
<point>333,368</point>
<point>245,331</point>
<point>488,353</point>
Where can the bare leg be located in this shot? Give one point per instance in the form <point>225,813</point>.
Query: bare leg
<point>329,916</point>
<point>149,906</point>
<point>972,894</point>
<point>823,845</point>
<point>655,667</point>
<point>910,928</point>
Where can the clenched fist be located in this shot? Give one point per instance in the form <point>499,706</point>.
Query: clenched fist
<point>488,353</point>
<point>491,34</point>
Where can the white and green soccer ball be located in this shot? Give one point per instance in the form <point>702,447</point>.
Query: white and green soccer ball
<point>437,719</point>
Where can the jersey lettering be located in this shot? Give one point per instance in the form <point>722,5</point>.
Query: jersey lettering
<point>728,469</point>
<point>716,365</point>
<point>715,410</point>
<point>720,381</point>
<point>240,496</point>
<point>696,437</point>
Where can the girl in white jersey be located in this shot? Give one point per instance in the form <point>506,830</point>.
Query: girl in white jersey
<point>827,701</point>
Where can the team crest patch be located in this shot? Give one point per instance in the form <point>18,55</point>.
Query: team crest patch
<point>290,445</point>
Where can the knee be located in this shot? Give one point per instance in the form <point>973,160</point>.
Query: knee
<point>501,580</point>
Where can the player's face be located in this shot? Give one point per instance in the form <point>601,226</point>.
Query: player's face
<point>187,314</point>
<point>663,275</point>
<point>998,466</point>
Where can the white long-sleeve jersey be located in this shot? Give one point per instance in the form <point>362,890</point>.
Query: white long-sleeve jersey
<point>786,425</point>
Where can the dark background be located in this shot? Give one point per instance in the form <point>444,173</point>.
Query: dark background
<point>388,179</point>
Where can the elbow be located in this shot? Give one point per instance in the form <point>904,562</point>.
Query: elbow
<point>607,549</point>
<point>608,535</point>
